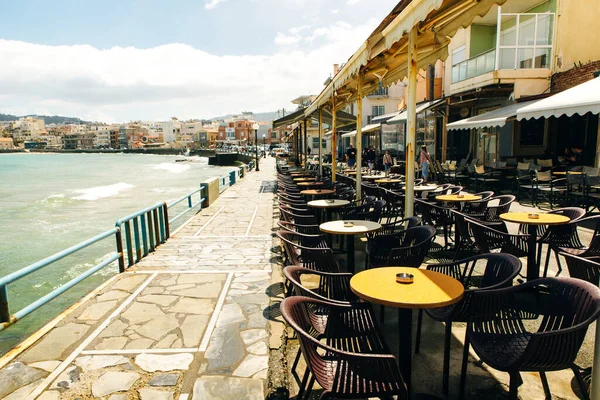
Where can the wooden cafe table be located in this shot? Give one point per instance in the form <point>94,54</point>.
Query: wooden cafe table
<point>388,181</point>
<point>455,198</point>
<point>429,289</point>
<point>310,183</point>
<point>533,269</point>
<point>306,179</point>
<point>358,228</point>
<point>328,205</point>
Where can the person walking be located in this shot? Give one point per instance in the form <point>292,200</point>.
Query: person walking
<point>425,160</point>
<point>351,156</point>
<point>370,158</point>
<point>387,161</point>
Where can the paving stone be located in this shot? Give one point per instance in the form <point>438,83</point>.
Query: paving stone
<point>46,365</point>
<point>257,320</point>
<point>53,345</point>
<point>164,380</point>
<point>153,394</point>
<point>113,343</point>
<point>177,344</point>
<point>153,290</point>
<point>200,278</point>
<point>181,287</point>
<point>166,342</point>
<point>134,336</point>
<point>262,374</point>
<point>91,363</point>
<point>169,282</point>
<point>50,395</point>
<point>67,378</point>
<point>188,305</point>
<point>158,327</point>
<point>258,348</point>
<point>230,314</point>
<point>115,328</point>
<point>192,329</point>
<point>251,365</point>
<point>142,312</point>
<point>158,362</point>
<point>225,348</point>
<point>227,388</point>
<point>139,344</point>
<point>23,392</point>
<point>204,291</point>
<point>160,299</point>
<point>129,283</point>
<point>252,335</point>
<point>119,397</point>
<point>112,295</point>
<point>253,277</point>
<point>113,381</point>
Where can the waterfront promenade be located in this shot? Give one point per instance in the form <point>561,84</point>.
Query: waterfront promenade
<point>190,321</point>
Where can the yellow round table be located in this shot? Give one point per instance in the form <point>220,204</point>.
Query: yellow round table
<point>429,290</point>
<point>388,180</point>
<point>317,192</point>
<point>565,172</point>
<point>358,227</point>
<point>533,268</point>
<point>310,183</point>
<point>304,179</point>
<point>455,198</point>
<point>368,177</point>
<point>333,203</point>
<point>425,188</point>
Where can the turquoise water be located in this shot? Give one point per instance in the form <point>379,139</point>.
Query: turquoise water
<point>49,202</point>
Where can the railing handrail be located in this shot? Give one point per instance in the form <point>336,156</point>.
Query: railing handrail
<point>13,276</point>
<point>137,214</point>
<point>184,197</point>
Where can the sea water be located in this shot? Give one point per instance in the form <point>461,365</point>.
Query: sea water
<point>49,202</point>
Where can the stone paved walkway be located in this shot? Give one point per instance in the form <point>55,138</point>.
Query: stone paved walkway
<point>190,321</point>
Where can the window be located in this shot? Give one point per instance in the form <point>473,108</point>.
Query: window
<point>377,111</point>
<point>274,134</point>
<point>526,41</point>
<point>324,143</point>
<point>459,55</point>
<point>315,142</point>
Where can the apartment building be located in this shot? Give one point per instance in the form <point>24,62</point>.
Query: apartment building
<point>170,130</point>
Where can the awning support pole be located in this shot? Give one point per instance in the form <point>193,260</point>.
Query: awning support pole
<point>445,132</point>
<point>359,99</point>
<point>333,137</point>
<point>320,139</point>
<point>305,146</point>
<point>411,124</point>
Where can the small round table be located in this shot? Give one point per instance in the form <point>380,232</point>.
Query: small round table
<point>386,181</point>
<point>304,184</point>
<point>533,269</point>
<point>359,227</point>
<point>565,173</point>
<point>425,188</point>
<point>328,205</point>
<point>350,173</point>
<point>304,179</point>
<point>317,192</point>
<point>430,289</point>
<point>373,177</point>
<point>455,198</point>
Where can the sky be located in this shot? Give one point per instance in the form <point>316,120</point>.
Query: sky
<point>124,60</point>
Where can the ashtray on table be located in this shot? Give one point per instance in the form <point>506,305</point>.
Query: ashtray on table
<point>329,201</point>
<point>348,224</point>
<point>460,195</point>
<point>533,216</point>
<point>404,277</point>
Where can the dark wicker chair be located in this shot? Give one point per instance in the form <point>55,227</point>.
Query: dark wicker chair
<point>437,216</point>
<point>478,207</point>
<point>486,271</point>
<point>587,269</point>
<point>492,213</point>
<point>319,258</point>
<point>346,364</point>
<point>559,311</point>
<point>593,248</point>
<point>395,226</point>
<point>407,248</point>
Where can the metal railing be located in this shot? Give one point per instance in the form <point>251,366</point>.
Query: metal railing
<point>189,198</point>
<point>475,66</point>
<point>7,319</point>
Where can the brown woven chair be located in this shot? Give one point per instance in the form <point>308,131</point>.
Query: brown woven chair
<point>436,216</point>
<point>407,248</point>
<point>593,248</point>
<point>492,213</point>
<point>344,364</point>
<point>562,308</point>
<point>587,269</point>
<point>486,271</point>
<point>315,258</point>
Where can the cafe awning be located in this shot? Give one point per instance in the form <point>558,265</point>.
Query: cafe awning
<point>420,108</point>
<point>289,119</point>
<point>580,99</point>
<point>497,117</point>
<point>381,119</point>
<point>365,129</point>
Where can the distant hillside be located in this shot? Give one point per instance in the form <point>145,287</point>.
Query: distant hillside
<point>55,119</point>
<point>266,116</point>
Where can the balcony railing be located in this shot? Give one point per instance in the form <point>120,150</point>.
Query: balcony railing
<point>381,92</point>
<point>476,66</point>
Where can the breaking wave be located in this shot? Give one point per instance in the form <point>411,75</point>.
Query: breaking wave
<point>100,192</point>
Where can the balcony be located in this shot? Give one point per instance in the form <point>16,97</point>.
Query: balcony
<point>380,92</point>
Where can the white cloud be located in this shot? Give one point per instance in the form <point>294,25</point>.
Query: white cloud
<point>121,84</point>
<point>283,39</point>
<point>210,4</point>
<point>337,10</point>
<point>349,2</point>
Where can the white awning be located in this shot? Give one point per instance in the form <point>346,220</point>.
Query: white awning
<point>497,117</point>
<point>383,118</point>
<point>420,108</point>
<point>580,99</point>
<point>365,129</point>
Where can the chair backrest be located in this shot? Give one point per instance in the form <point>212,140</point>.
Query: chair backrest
<point>587,269</point>
<point>523,166</point>
<point>546,163</point>
<point>333,287</point>
<point>528,160</point>
<point>591,171</point>
<point>511,162</point>
<point>492,213</point>
<point>415,246</point>
<point>488,238</point>
<point>480,169</point>
<point>543,176</point>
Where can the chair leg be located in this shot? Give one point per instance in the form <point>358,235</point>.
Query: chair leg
<point>296,360</point>
<point>558,263</point>
<point>418,338</point>
<point>310,386</point>
<point>463,368</point>
<point>545,385</point>
<point>446,376</point>
<point>582,387</point>
<point>302,387</point>
<point>382,314</point>
<point>515,382</point>
<point>547,261</point>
